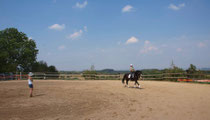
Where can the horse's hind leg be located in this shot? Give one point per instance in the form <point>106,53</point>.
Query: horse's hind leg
<point>135,84</point>
<point>127,83</point>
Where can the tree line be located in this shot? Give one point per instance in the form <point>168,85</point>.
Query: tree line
<point>19,53</point>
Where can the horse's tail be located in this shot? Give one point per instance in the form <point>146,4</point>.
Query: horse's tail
<point>123,79</point>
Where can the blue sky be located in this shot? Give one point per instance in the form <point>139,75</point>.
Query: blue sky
<point>75,34</point>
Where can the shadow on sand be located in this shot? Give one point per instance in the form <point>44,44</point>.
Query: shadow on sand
<point>38,95</point>
<point>135,87</point>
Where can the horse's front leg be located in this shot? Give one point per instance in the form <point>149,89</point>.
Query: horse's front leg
<point>138,84</point>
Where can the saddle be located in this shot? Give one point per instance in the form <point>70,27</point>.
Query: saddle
<point>131,75</point>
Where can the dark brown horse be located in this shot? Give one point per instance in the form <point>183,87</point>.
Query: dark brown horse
<point>137,75</point>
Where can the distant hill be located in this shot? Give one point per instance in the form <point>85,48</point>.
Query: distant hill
<point>104,71</point>
<point>111,71</point>
<point>205,68</point>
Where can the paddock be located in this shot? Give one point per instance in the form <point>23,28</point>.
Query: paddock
<point>104,100</point>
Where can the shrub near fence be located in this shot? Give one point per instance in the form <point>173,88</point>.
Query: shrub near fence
<point>89,76</point>
<point>72,77</point>
<point>152,77</point>
<point>173,76</point>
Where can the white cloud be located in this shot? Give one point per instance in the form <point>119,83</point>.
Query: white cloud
<point>61,47</point>
<point>127,8</point>
<point>201,45</point>
<point>182,5</point>
<point>148,47</point>
<point>77,34</point>
<point>176,7</point>
<point>179,50</point>
<point>57,27</point>
<point>81,5</point>
<point>132,40</point>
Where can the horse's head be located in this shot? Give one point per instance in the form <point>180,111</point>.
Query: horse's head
<point>138,73</point>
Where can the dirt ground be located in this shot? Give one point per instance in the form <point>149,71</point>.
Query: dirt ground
<point>104,100</point>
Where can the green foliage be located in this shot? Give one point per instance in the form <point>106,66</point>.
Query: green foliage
<point>89,72</point>
<point>192,69</point>
<point>193,73</point>
<point>107,71</point>
<point>42,66</point>
<point>52,69</point>
<point>172,73</point>
<point>154,74</point>
<point>70,72</point>
<point>17,51</point>
<point>151,71</point>
<point>174,70</point>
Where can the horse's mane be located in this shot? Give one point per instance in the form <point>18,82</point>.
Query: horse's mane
<point>139,71</point>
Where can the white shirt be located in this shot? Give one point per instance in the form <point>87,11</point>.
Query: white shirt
<point>30,82</point>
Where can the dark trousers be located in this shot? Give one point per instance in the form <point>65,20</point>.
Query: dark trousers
<point>132,75</point>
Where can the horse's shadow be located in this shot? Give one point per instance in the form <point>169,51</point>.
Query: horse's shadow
<point>135,87</point>
<point>38,95</point>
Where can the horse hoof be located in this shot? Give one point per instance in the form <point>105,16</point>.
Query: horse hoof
<point>134,86</point>
<point>139,86</point>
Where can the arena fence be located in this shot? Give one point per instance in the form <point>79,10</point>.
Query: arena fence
<point>60,76</point>
<point>70,76</point>
<point>175,76</point>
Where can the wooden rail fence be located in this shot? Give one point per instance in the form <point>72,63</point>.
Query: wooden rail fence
<point>65,76</point>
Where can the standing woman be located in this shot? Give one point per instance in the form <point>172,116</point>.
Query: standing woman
<point>30,83</point>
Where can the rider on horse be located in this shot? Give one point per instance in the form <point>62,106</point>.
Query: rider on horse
<point>132,76</point>
<point>132,71</point>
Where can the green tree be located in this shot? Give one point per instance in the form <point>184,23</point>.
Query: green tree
<point>193,73</point>
<point>52,69</point>
<point>192,69</point>
<point>89,72</point>
<point>18,53</point>
<point>173,72</point>
<point>42,66</point>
